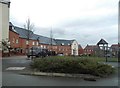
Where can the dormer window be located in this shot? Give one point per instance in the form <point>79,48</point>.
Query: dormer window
<point>12,27</point>
<point>62,44</point>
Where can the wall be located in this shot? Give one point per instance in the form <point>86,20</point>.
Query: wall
<point>66,50</point>
<point>74,48</point>
<point>13,37</point>
<point>4,13</point>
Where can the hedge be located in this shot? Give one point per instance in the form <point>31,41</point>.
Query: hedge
<point>73,66</point>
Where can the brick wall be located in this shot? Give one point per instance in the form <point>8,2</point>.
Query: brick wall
<point>14,39</point>
<point>80,51</point>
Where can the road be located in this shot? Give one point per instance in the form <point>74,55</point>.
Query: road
<point>13,78</point>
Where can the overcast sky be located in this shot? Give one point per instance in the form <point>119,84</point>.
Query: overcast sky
<point>87,21</point>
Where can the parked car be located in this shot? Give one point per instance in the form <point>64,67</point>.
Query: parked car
<point>37,52</point>
<point>60,54</point>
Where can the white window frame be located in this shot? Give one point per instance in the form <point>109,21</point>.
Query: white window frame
<point>27,42</point>
<point>17,41</point>
<point>37,43</point>
<point>33,43</point>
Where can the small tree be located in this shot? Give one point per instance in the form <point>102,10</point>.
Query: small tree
<point>29,27</point>
<point>6,46</point>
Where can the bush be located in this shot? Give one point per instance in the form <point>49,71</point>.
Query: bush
<point>72,65</point>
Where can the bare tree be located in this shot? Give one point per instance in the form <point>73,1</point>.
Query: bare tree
<point>51,38</point>
<point>29,31</point>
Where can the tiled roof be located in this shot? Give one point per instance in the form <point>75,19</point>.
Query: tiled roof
<point>12,28</point>
<point>79,46</point>
<point>91,47</point>
<point>115,46</point>
<point>42,39</point>
<point>23,32</point>
<point>5,1</point>
<point>63,42</point>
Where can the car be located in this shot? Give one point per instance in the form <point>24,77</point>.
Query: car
<point>60,54</point>
<point>37,52</point>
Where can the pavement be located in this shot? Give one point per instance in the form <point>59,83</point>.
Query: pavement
<point>12,66</point>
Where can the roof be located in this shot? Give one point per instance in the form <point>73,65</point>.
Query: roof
<point>44,40</point>
<point>91,47</point>
<point>115,46</point>
<point>5,1</point>
<point>79,46</point>
<point>102,41</point>
<point>23,32</point>
<point>12,29</point>
<point>63,42</point>
<point>10,24</point>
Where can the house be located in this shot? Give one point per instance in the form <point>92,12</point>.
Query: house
<point>115,49</point>
<point>18,39</point>
<point>91,50</point>
<point>67,47</point>
<point>80,50</point>
<point>19,42</point>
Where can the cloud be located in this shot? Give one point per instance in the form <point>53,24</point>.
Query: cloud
<point>87,21</point>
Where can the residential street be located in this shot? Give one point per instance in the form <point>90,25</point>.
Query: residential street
<point>11,77</point>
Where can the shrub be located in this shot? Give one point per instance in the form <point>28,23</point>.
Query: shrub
<point>72,65</point>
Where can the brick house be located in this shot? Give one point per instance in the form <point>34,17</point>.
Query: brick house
<point>91,50</point>
<point>65,47</point>
<point>80,50</point>
<point>19,42</point>
<point>13,37</point>
<point>115,49</point>
<point>18,39</point>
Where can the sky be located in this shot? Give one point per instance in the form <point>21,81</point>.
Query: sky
<point>86,21</point>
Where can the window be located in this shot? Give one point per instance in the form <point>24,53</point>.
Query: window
<point>62,44</point>
<point>33,43</point>
<point>27,42</point>
<point>68,44</point>
<point>41,46</point>
<point>12,27</point>
<point>44,47</point>
<point>17,41</point>
<point>37,43</point>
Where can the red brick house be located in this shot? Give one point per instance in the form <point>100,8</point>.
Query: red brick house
<point>91,50</point>
<point>80,50</point>
<point>13,37</point>
<point>115,49</point>
<point>19,42</point>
